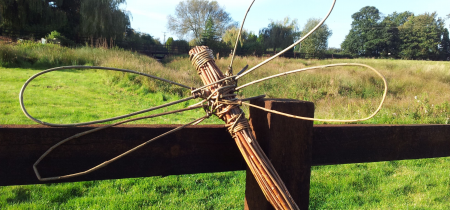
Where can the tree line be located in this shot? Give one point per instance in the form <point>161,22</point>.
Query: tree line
<point>398,35</point>
<point>71,21</point>
<point>204,22</point>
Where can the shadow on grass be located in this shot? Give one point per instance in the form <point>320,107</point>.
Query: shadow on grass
<point>24,195</point>
<point>20,195</point>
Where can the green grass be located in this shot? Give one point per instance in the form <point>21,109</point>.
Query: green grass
<point>73,96</point>
<point>76,96</point>
<point>406,184</point>
<point>199,191</point>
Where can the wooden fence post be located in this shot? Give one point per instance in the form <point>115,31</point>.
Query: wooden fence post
<point>287,143</point>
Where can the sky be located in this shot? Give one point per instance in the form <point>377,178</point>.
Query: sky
<point>151,16</point>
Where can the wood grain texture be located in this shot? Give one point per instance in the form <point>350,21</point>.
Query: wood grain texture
<point>342,144</point>
<point>197,149</point>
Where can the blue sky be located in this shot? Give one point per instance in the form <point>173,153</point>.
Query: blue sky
<point>151,16</point>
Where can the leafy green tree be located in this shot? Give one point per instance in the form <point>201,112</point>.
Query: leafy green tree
<point>31,17</point>
<point>445,45</point>
<point>169,44</point>
<point>371,35</point>
<point>71,8</point>
<point>62,39</point>
<point>177,46</point>
<point>191,17</point>
<point>366,35</point>
<point>231,35</point>
<point>147,39</point>
<point>73,18</point>
<point>103,18</point>
<point>169,41</point>
<point>390,47</point>
<point>209,35</point>
<point>136,40</point>
<point>253,45</point>
<point>398,19</point>
<point>317,43</point>
<point>279,35</point>
<point>211,38</point>
<point>421,36</point>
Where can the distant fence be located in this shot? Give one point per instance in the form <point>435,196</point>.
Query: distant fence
<point>153,50</point>
<point>162,50</point>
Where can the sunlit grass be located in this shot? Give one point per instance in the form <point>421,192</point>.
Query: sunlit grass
<point>76,96</point>
<point>198,191</point>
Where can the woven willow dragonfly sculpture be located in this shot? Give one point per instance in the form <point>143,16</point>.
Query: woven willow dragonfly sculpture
<point>218,98</point>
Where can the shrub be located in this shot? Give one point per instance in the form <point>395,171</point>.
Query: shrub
<point>56,35</point>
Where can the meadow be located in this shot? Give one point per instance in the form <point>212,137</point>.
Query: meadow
<point>418,94</point>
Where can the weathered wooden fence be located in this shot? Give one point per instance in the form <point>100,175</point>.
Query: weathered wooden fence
<point>292,145</point>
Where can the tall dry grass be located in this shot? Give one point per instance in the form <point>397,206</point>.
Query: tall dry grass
<point>418,90</point>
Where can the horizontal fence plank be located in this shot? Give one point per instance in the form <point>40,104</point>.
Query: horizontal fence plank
<point>196,149</point>
<point>341,144</point>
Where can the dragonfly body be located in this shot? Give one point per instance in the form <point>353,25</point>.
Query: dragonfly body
<point>222,105</point>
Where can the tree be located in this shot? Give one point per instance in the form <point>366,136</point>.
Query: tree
<point>445,45</point>
<point>169,44</point>
<point>253,45</point>
<point>31,17</point>
<point>169,41</point>
<point>191,17</point>
<point>136,40</point>
<point>231,35</point>
<point>365,37</point>
<point>103,18</point>
<point>71,9</point>
<point>210,38</point>
<point>398,19</point>
<point>73,18</point>
<point>177,46</point>
<point>209,34</point>
<point>390,33</point>
<point>317,42</point>
<point>279,35</point>
<point>421,36</point>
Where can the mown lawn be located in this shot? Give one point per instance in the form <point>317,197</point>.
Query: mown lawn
<point>418,94</point>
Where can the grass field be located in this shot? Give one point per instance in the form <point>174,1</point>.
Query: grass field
<point>418,94</point>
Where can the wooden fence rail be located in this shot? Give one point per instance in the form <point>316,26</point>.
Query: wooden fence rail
<point>206,148</point>
<point>190,152</point>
